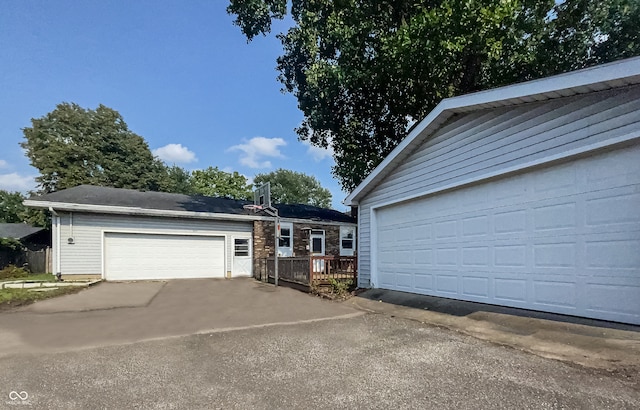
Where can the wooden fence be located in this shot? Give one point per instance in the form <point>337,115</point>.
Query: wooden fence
<point>35,261</point>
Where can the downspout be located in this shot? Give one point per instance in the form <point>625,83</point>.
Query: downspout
<point>57,268</point>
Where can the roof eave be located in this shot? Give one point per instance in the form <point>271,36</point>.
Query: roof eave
<point>122,210</point>
<point>612,75</point>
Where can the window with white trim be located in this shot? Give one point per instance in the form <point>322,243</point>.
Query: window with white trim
<point>285,243</point>
<point>347,240</point>
<point>241,247</point>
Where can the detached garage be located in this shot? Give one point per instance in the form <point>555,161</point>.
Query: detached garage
<point>525,196</point>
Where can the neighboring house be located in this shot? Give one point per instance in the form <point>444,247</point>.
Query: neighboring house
<point>123,234</point>
<point>525,196</point>
<point>31,237</point>
<point>33,252</point>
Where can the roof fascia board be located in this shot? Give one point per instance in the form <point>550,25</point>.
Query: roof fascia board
<point>125,210</point>
<point>616,70</point>
<point>122,210</point>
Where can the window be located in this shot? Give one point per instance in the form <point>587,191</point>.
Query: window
<point>241,247</point>
<point>316,239</point>
<point>347,240</point>
<point>285,243</point>
<point>316,245</point>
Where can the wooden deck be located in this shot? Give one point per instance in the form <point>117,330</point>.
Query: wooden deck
<point>309,271</point>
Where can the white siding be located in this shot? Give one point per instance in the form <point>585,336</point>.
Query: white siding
<point>488,141</point>
<point>84,256</point>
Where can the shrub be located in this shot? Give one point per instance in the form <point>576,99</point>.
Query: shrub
<point>11,272</point>
<point>341,287</point>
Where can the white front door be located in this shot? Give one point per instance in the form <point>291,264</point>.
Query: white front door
<point>316,248</point>
<point>241,257</point>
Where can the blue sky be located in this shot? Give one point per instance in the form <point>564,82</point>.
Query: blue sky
<point>180,73</point>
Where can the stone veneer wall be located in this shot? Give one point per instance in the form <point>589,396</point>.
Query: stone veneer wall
<point>263,239</point>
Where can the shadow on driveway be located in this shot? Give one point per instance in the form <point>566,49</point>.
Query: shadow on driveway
<point>462,308</point>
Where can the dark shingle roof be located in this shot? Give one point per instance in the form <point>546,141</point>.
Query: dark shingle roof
<point>96,195</point>
<point>17,231</point>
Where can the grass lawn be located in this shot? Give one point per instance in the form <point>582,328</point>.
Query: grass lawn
<point>45,277</point>
<point>10,298</point>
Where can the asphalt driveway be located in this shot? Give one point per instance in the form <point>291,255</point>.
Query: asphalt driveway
<point>116,313</point>
<point>241,344</point>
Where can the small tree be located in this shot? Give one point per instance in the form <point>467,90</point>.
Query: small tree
<point>290,187</point>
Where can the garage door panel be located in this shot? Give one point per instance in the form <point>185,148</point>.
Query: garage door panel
<point>612,299</point>
<point>568,242</point>
<point>131,256</point>
<point>554,294</point>
<point>510,289</point>
<point>477,286</point>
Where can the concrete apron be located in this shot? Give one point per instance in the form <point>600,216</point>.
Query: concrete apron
<point>589,346</point>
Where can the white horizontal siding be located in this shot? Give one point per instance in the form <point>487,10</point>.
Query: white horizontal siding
<point>84,256</point>
<point>488,141</point>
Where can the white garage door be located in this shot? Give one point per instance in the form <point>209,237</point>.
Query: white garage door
<point>147,256</point>
<point>563,239</point>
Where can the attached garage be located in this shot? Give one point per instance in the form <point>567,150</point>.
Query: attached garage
<point>135,256</point>
<point>123,234</point>
<point>526,196</point>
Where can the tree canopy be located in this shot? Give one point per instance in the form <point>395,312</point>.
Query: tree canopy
<point>178,181</point>
<point>290,187</point>
<point>13,211</point>
<point>72,145</point>
<point>215,182</point>
<point>364,70</point>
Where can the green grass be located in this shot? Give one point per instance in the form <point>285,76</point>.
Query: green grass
<point>45,277</point>
<point>15,297</point>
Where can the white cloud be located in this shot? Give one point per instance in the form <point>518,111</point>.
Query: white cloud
<point>319,153</point>
<point>4,164</point>
<point>175,153</point>
<point>16,182</point>
<point>257,149</point>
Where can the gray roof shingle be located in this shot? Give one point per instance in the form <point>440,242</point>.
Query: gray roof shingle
<point>118,197</point>
<point>18,230</point>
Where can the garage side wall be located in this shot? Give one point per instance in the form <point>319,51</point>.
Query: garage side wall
<point>489,142</point>
<point>84,255</point>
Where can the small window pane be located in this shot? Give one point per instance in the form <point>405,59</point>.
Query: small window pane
<point>317,245</point>
<point>347,243</point>
<point>284,243</point>
<point>241,247</point>
<point>285,232</point>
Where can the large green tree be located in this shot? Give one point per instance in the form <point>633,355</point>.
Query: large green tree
<point>215,182</point>
<point>290,187</point>
<point>13,211</point>
<point>72,145</point>
<point>364,70</point>
<point>11,208</point>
